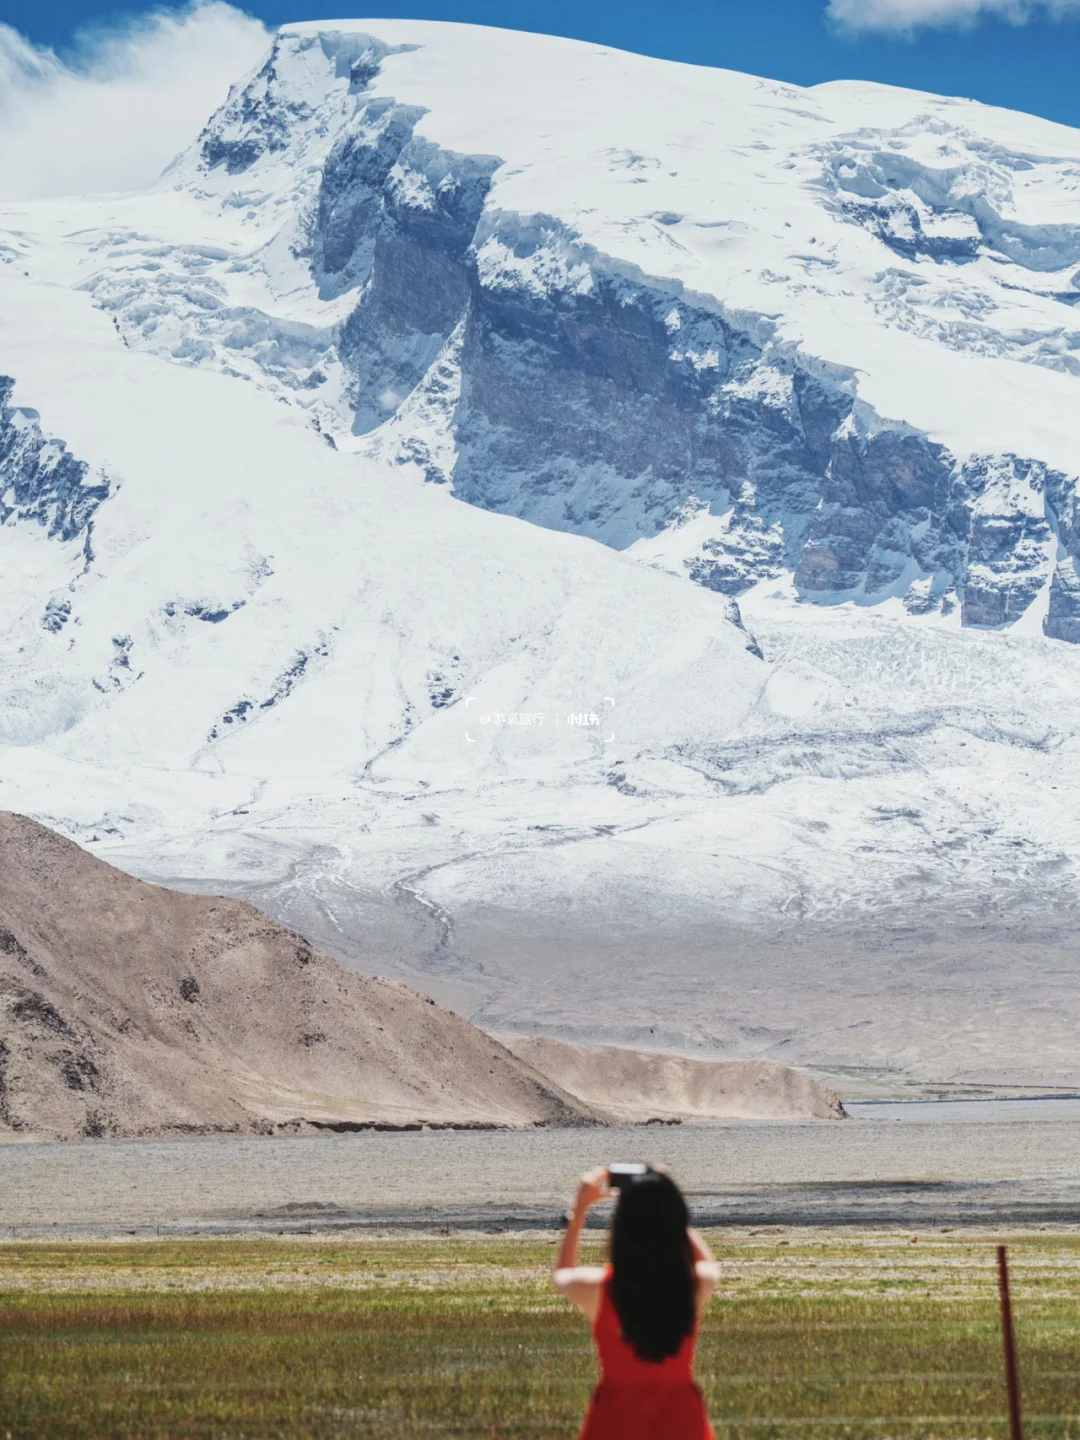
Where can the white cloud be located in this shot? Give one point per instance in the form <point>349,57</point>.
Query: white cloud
<point>906,16</point>
<point>114,113</point>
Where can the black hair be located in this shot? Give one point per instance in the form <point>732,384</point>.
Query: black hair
<point>654,1281</point>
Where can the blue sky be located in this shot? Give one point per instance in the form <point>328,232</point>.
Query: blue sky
<point>1032,65</point>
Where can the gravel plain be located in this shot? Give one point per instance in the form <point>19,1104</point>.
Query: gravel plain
<point>915,1163</point>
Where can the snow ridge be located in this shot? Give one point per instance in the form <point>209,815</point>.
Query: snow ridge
<point>541,376</point>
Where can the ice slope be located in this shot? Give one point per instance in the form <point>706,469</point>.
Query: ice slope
<point>722,182</point>
<point>240,562</point>
<point>796,346</point>
<point>842,319</point>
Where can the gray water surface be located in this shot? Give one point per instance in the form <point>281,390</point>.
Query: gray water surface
<point>1046,1110</point>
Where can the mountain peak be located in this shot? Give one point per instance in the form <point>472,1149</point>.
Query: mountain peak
<point>515,488</point>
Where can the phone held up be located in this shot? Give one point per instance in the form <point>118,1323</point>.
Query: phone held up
<point>624,1172</point>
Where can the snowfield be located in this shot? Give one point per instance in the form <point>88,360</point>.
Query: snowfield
<point>594,537</point>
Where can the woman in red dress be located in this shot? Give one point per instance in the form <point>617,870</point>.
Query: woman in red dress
<point>644,1307</point>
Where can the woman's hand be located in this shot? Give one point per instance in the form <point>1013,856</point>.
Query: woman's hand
<point>593,1186</point>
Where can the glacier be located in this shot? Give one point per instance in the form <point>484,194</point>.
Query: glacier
<point>595,537</point>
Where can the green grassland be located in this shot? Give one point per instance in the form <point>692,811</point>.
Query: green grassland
<point>822,1334</point>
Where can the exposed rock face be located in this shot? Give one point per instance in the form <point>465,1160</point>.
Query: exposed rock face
<point>39,480</point>
<point>128,1009</point>
<point>637,1086</point>
<point>547,380</point>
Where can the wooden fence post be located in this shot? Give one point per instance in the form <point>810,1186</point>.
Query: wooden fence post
<point>1008,1340</point>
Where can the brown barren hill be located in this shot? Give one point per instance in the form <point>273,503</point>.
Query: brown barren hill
<point>635,1086</point>
<point>130,1009</point>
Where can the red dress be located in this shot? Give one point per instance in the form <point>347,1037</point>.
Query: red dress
<point>642,1399</point>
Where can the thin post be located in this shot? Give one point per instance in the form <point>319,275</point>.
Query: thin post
<point>1008,1340</point>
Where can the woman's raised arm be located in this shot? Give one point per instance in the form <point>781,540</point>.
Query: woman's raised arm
<point>705,1268</point>
<point>581,1284</point>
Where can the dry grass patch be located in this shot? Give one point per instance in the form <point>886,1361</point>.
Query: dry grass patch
<point>817,1334</point>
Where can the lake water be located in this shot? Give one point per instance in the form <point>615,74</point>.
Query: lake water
<point>1044,1111</point>
<point>945,1163</point>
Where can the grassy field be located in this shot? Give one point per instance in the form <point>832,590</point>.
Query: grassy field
<point>816,1334</point>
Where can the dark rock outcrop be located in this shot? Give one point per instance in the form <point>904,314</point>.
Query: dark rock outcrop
<point>40,480</point>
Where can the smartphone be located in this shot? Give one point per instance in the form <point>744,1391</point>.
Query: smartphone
<point>625,1172</point>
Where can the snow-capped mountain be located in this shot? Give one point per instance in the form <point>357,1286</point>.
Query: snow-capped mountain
<point>597,533</point>
<point>667,289</point>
